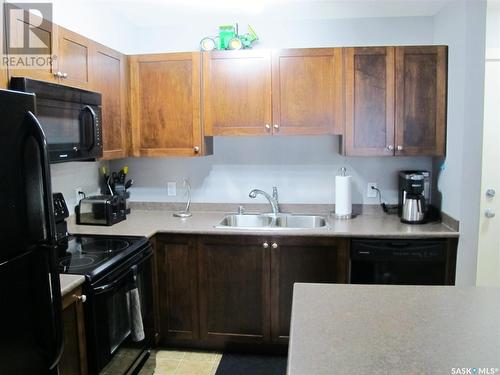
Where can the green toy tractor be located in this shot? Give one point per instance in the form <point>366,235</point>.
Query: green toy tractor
<point>228,38</point>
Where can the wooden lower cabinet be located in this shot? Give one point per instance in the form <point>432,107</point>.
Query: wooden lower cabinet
<point>74,357</point>
<point>306,260</point>
<point>176,261</point>
<point>225,291</point>
<point>234,289</point>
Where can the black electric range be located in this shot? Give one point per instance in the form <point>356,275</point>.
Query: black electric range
<point>119,314</point>
<point>96,255</point>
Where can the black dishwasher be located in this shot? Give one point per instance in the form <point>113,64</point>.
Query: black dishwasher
<point>401,262</point>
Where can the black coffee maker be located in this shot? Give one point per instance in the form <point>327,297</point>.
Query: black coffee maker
<point>414,196</point>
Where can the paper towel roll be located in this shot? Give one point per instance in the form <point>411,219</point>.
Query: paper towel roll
<point>343,201</point>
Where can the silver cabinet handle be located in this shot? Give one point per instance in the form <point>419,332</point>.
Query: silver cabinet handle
<point>489,213</point>
<point>196,149</point>
<point>81,298</point>
<point>274,245</point>
<point>276,126</point>
<point>490,193</point>
<point>64,75</point>
<point>58,74</point>
<point>268,127</point>
<point>400,148</point>
<point>265,245</point>
<point>390,148</point>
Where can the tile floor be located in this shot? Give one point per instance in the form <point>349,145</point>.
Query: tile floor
<point>176,362</point>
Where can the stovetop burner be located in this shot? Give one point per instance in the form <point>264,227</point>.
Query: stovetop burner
<point>73,263</point>
<point>91,255</point>
<point>105,245</point>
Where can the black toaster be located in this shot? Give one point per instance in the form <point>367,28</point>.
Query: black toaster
<point>100,210</point>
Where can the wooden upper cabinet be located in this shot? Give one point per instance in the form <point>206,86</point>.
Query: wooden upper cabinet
<point>3,78</point>
<point>237,92</point>
<point>165,105</point>
<point>421,81</point>
<point>109,78</point>
<point>47,33</point>
<point>3,68</point>
<point>307,91</point>
<point>369,106</point>
<point>74,59</point>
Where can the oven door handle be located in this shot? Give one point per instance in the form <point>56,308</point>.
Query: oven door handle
<point>114,284</point>
<point>129,273</point>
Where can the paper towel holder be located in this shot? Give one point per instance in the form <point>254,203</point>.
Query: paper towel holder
<point>343,172</point>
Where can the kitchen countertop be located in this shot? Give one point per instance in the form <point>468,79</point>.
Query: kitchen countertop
<point>362,329</point>
<point>70,282</point>
<point>149,222</point>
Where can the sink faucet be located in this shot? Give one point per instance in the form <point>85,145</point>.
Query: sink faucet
<point>273,200</point>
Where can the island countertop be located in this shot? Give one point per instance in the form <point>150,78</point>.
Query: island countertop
<point>149,222</point>
<point>362,329</point>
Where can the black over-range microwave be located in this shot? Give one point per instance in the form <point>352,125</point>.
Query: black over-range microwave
<point>70,118</point>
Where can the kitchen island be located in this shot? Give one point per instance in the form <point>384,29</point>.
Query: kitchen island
<point>362,329</point>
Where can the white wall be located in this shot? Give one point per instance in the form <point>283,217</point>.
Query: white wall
<point>303,168</point>
<point>96,20</point>
<point>275,33</point>
<point>461,25</point>
<point>66,177</point>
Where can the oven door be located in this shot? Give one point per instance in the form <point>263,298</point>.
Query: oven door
<point>72,129</point>
<point>114,348</point>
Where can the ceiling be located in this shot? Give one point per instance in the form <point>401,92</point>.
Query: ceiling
<point>154,13</point>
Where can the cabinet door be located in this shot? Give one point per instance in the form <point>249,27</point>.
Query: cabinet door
<point>108,78</point>
<point>165,105</point>
<point>237,92</point>
<point>421,80</point>
<point>3,68</point>
<point>176,261</point>
<point>310,260</point>
<point>369,85</point>
<point>74,59</point>
<point>46,32</point>
<point>234,290</point>
<point>307,91</point>
<point>74,356</point>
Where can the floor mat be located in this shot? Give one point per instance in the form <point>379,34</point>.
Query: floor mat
<point>240,364</point>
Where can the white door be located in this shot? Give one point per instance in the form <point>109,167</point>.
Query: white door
<point>488,262</point>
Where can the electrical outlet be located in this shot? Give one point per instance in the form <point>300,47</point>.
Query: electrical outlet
<point>78,196</point>
<point>370,191</point>
<point>171,189</point>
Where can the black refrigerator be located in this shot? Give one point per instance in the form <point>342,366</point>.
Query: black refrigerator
<point>31,332</point>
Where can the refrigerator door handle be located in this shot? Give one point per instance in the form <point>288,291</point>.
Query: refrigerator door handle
<point>35,129</point>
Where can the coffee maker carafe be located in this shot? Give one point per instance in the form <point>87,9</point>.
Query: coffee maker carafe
<point>414,194</point>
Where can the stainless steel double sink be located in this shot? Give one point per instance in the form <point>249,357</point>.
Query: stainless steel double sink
<point>270,221</point>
